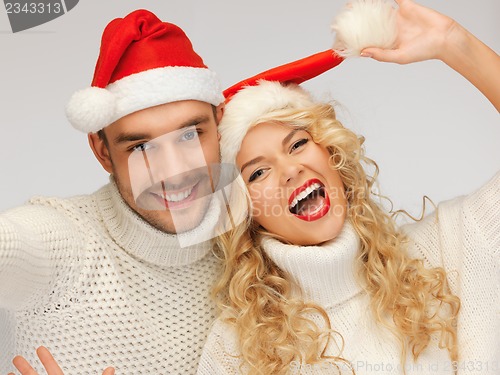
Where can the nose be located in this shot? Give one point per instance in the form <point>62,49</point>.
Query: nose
<point>290,170</point>
<point>174,166</point>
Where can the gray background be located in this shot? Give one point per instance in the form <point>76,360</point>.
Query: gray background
<point>430,131</point>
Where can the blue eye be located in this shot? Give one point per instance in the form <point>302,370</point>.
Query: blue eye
<point>255,174</point>
<point>190,135</point>
<point>299,143</point>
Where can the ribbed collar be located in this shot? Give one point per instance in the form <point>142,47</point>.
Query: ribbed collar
<point>326,274</point>
<point>144,242</point>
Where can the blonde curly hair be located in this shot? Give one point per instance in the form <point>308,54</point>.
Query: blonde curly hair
<point>273,327</point>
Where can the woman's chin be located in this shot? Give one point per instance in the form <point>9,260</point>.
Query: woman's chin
<point>318,237</point>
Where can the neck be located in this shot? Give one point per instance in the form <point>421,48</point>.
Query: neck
<point>141,240</point>
<point>325,274</point>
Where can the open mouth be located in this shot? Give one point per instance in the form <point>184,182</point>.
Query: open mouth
<point>310,201</point>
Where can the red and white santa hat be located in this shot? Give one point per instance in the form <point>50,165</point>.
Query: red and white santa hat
<point>361,24</point>
<point>143,62</point>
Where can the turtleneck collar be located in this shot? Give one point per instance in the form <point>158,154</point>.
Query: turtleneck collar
<point>326,274</point>
<point>143,241</point>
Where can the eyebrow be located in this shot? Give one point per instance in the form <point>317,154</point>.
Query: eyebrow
<point>289,137</point>
<point>260,158</point>
<point>132,137</point>
<point>253,161</point>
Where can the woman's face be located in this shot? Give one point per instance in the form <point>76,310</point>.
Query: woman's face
<point>294,191</point>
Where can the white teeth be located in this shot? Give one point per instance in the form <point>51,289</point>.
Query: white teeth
<point>304,194</point>
<point>179,196</point>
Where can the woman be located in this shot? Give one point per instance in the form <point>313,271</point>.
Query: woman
<point>320,279</point>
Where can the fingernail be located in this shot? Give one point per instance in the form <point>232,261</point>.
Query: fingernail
<point>366,54</point>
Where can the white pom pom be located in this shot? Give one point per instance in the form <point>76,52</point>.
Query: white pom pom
<point>91,109</point>
<point>364,23</point>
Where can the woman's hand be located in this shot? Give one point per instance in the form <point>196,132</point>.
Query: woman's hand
<point>424,34</point>
<point>48,362</point>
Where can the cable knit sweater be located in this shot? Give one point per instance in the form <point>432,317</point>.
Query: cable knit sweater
<point>463,236</point>
<point>98,286</point>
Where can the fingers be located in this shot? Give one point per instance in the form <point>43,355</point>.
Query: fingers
<point>48,361</point>
<point>109,371</point>
<point>23,366</point>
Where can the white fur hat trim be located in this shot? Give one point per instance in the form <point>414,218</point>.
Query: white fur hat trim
<point>94,108</point>
<point>248,106</point>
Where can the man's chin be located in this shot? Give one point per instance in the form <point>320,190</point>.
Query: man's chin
<point>177,221</point>
<point>163,219</point>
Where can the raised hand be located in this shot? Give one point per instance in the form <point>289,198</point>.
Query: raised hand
<point>48,362</point>
<point>425,34</point>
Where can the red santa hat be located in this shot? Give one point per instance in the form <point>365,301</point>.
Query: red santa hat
<point>361,24</point>
<point>143,62</point>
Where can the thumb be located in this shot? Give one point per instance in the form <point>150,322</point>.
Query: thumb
<point>384,55</point>
<point>109,371</point>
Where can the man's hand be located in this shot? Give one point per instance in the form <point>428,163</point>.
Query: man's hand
<point>48,362</point>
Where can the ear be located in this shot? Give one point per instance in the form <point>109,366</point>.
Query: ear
<point>219,112</point>
<point>101,151</point>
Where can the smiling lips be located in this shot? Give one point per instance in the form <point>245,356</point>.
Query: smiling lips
<point>177,200</point>
<point>310,201</point>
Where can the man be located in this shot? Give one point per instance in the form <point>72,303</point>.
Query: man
<point>105,277</point>
<point>122,277</point>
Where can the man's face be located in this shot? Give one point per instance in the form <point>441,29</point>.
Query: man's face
<point>159,157</point>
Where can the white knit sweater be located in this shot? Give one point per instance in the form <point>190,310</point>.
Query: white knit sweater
<point>99,287</point>
<point>463,236</point>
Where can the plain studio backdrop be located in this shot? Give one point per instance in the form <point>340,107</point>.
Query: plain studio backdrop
<point>430,131</point>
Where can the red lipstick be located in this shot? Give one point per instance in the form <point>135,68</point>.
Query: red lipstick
<point>319,211</point>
